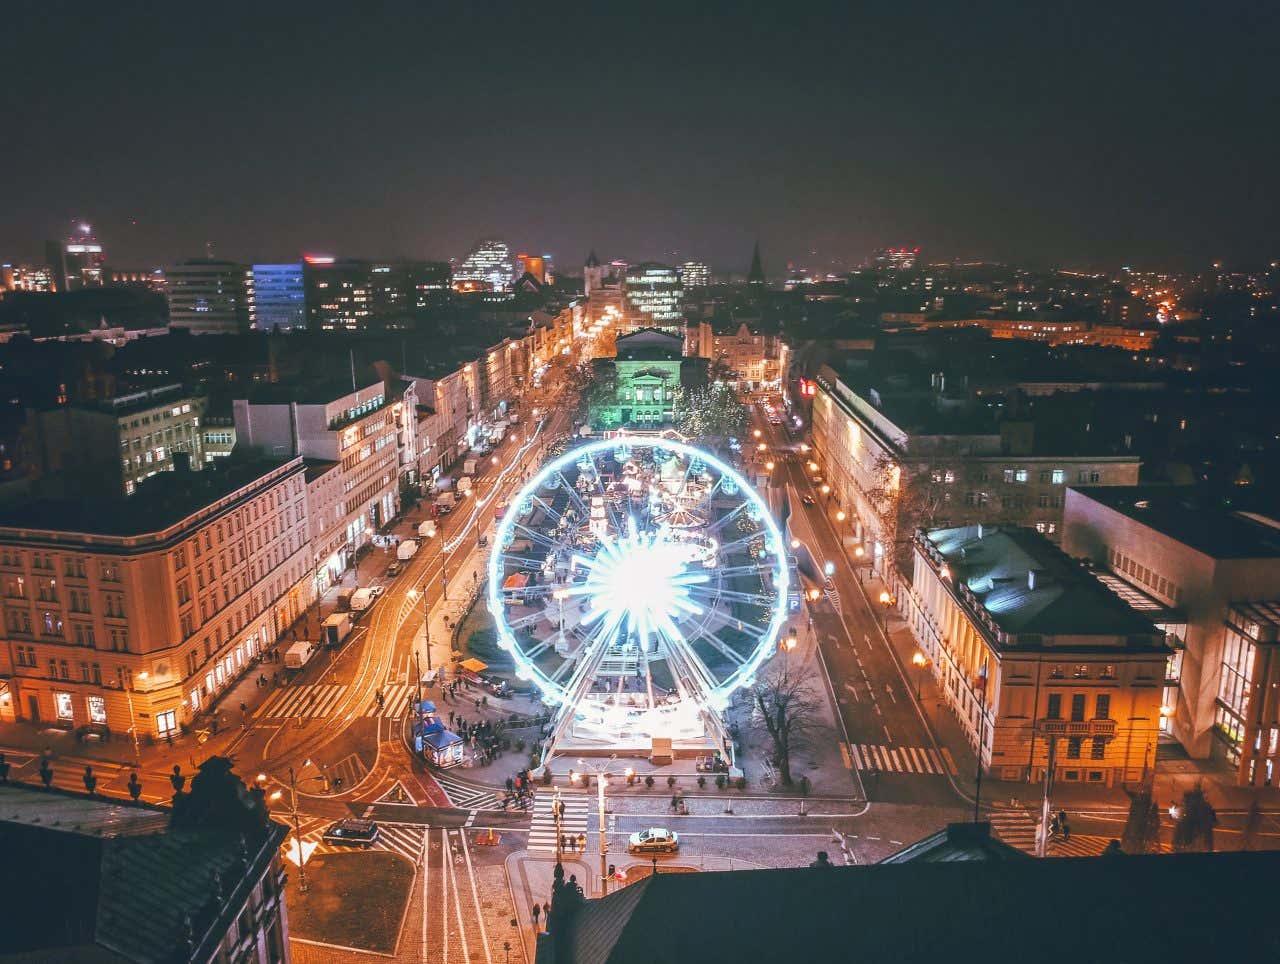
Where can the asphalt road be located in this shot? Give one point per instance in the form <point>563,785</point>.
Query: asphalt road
<point>889,745</point>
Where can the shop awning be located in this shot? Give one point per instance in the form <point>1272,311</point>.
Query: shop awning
<point>473,666</point>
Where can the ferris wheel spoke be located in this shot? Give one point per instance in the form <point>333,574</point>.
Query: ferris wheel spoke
<point>745,540</point>
<point>728,517</point>
<point>720,646</point>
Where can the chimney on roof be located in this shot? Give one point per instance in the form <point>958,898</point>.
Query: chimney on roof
<point>1036,577</point>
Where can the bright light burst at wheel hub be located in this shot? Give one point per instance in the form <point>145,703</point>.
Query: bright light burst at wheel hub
<point>639,585</point>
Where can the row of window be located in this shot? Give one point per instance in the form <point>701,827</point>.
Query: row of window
<point>1157,583</point>
<point>1019,476</point>
<point>1101,707</point>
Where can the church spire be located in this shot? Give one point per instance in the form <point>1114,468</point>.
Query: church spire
<point>756,275</point>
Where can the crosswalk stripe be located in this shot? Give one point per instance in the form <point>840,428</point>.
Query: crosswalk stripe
<point>920,760</point>
<point>542,829</point>
<point>466,796</point>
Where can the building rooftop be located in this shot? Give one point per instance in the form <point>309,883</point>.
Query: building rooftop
<point>159,502</point>
<point>649,344</point>
<point>122,881</point>
<point>920,911</point>
<point>1179,513</point>
<point>312,391</point>
<point>1030,587</point>
<point>958,842</point>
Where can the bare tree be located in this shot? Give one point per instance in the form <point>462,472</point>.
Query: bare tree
<point>792,713</point>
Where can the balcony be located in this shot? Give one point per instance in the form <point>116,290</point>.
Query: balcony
<point>1082,728</point>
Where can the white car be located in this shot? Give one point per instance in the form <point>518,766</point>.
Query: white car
<point>376,591</point>
<point>654,840</point>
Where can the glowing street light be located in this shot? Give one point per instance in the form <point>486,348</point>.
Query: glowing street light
<point>920,661</point>
<point>768,466</point>
<point>756,433</point>
<point>826,489</point>
<point>795,543</point>
<point>840,516</point>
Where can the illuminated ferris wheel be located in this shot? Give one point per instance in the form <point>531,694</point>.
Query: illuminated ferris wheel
<point>638,582</point>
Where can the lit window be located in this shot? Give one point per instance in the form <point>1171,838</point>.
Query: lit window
<point>62,706</point>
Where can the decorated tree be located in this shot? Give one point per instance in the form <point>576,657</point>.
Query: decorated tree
<point>710,412</point>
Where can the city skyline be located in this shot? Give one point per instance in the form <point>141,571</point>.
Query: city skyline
<point>826,134</point>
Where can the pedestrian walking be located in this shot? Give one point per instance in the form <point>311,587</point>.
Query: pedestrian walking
<point>135,788</point>
<point>546,912</point>
<point>582,842</point>
<point>90,781</point>
<point>46,774</point>
<point>537,912</point>
<point>675,803</point>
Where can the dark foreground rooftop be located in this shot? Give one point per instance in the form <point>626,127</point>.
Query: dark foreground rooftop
<point>1184,907</point>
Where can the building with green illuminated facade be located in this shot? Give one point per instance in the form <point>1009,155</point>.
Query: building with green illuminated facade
<point>637,387</point>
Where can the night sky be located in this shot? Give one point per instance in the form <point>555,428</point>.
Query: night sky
<point>1063,133</point>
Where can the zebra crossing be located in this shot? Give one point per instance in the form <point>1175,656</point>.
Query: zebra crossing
<point>404,839</point>
<point>900,759</point>
<point>466,796</point>
<point>317,701</point>
<point>1020,828</point>
<point>542,831</point>
<point>1016,827</point>
<point>311,701</point>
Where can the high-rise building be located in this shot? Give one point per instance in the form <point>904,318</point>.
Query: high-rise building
<point>652,296</point>
<point>26,277</point>
<point>210,297</point>
<point>77,261</point>
<point>278,297</point>
<point>756,275</point>
<point>695,274</point>
<point>534,265</point>
<point>338,293</point>
<point>343,294</point>
<point>489,262</point>
<point>592,275</point>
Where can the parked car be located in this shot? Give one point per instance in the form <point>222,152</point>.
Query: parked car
<point>358,833</point>
<point>807,499</point>
<point>376,591</point>
<point>655,840</point>
<point>394,570</point>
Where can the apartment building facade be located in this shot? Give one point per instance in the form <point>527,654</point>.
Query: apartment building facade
<point>1211,578</point>
<point>129,438</point>
<point>134,618</point>
<point>891,478</point>
<point>1039,662</point>
<point>758,360</point>
<point>349,441</point>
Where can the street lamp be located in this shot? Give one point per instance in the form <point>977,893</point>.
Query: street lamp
<point>787,645</point>
<point>920,661</point>
<point>768,466</point>
<point>297,823</point>
<point>426,637</point>
<point>602,781</point>
<point>756,433</point>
